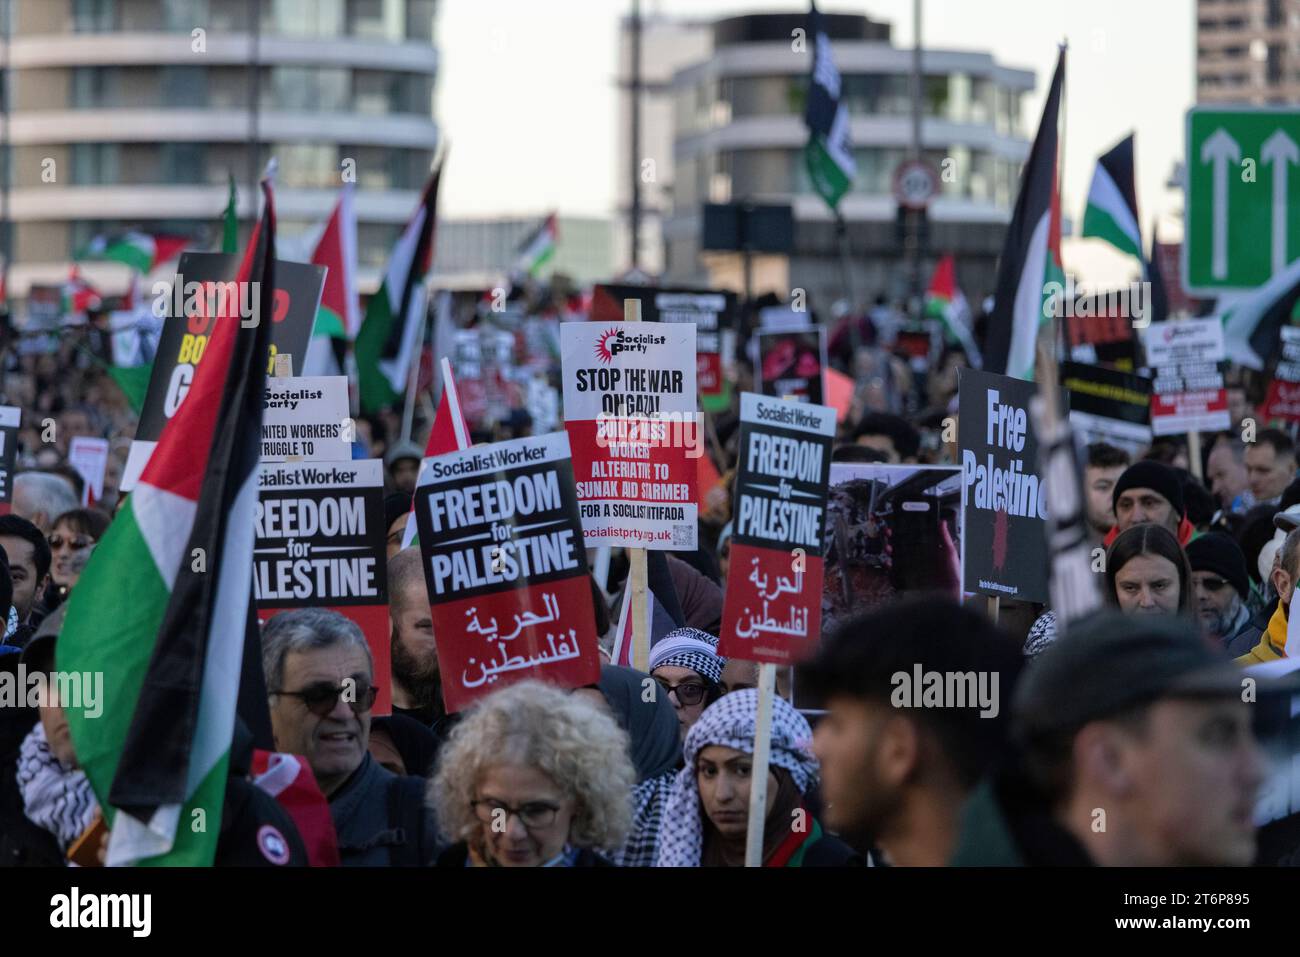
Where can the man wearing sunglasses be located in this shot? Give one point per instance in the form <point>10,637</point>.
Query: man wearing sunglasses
<point>320,682</point>
<point>1220,588</point>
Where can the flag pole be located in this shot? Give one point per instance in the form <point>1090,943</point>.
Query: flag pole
<point>762,758</point>
<point>413,372</point>
<point>636,558</point>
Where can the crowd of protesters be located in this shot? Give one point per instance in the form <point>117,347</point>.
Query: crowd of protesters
<point>1137,714</point>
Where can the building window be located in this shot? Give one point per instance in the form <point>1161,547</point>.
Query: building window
<point>307,165</point>
<point>303,18</point>
<point>182,16</point>
<point>184,86</point>
<point>94,16</point>
<point>299,89</point>
<point>95,87</point>
<point>184,163</point>
<point>94,164</point>
<point>377,19</point>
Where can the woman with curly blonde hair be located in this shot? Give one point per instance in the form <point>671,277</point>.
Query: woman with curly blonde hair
<point>533,777</point>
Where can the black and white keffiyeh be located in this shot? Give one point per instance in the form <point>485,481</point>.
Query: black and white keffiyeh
<point>55,799</point>
<point>648,801</point>
<point>689,648</point>
<point>729,722</point>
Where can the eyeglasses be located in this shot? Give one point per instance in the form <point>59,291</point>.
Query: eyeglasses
<point>1212,584</point>
<point>320,699</point>
<point>534,815</point>
<point>77,544</point>
<point>688,692</point>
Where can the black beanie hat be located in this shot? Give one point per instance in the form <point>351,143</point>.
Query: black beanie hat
<point>1155,476</point>
<point>1217,552</point>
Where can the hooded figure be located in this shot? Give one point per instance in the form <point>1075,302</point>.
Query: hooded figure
<point>792,837</point>
<point>652,725</point>
<point>656,751</point>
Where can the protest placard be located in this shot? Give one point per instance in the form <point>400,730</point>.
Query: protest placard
<point>791,363</point>
<point>505,567</point>
<point>10,419</point>
<point>713,312</point>
<point>89,456</point>
<point>772,611</point>
<point>890,529</point>
<point>630,411</point>
<point>320,544</point>
<point>306,418</point>
<point>204,289</point>
<point>1003,496</point>
<point>1283,399</point>
<point>1110,406</point>
<point>1188,394</point>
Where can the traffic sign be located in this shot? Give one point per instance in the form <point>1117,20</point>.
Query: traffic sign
<point>915,184</point>
<point>1242,197</point>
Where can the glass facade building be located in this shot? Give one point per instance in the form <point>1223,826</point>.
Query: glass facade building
<point>133,114</point>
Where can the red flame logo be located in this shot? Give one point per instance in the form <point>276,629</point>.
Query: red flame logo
<point>603,351</point>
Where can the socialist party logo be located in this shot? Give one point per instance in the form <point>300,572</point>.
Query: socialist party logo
<point>612,342</point>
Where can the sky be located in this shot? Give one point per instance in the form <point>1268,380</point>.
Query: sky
<point>527,101</point>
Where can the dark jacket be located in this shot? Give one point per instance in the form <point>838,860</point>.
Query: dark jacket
<point>1006,824</point>
<point>256,831</point>
<point>827,850</point>
<point>1245,637</point>
<point>457,855</point>
<point>381,819</point>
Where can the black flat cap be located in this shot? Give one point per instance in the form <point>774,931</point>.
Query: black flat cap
<point>1109,663</point>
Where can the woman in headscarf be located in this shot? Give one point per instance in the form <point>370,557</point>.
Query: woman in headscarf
<point>685,662</point>
<point>656,751</point>
<point>533,777</point>
<point>706,816</point>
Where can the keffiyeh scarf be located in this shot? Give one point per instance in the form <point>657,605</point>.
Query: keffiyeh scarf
<point>689,648</point>
<point>729,722</point>
<point>55,799</point>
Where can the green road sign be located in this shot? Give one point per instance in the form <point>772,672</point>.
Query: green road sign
<point>1243,196</point>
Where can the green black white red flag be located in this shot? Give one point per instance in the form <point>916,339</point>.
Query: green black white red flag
<point>1031,253</point>
<point>395,315</point>
<point>1111,213</point>
<point>170,645</point>
<point>828,153</point>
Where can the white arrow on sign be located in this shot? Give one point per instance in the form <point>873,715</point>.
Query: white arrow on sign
<point>1280,150</point>
<point>1219,149</point>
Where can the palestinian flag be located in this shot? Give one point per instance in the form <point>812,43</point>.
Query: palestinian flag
<point>171,645</point>
<point>828,153</point>
<point>447,434</point>
<point>1031,253</point>
<point>394,318</point>
<point>230,222</point>
<point>78,295</point>
<point>1252,324</point>
<point>944,301</point>
<point>536,251</point>
<point>1112,210</point>
<point>339,315</point>
<point>143,252</point>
